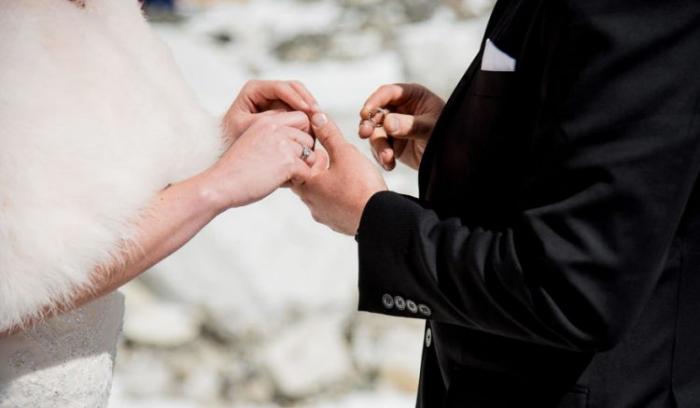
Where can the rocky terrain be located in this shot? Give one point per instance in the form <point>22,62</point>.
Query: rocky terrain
<point>259,310</point>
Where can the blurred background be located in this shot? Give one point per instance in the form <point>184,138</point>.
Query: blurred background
<point>259,310</point>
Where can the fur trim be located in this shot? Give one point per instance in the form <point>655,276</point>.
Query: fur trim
<point>94,120</point>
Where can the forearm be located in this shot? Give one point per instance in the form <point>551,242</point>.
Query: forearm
<point>174,216</point>
<point>446,271</point>
<point>474,277</point>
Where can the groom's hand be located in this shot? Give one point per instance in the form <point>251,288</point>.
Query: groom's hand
<point>258,99</point>
<point>341,183</point>
<point>403,133</point>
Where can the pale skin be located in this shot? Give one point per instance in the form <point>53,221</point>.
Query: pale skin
<point>343,180</point>
<point>265,154</point>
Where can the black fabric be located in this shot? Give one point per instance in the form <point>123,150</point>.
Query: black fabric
<point>556,239</point>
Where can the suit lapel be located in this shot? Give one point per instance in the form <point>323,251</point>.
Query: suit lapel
<point>502,13</point>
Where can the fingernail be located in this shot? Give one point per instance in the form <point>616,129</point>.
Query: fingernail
<point>367,124</point>
<point>386,158</point>
<point>319,119</point>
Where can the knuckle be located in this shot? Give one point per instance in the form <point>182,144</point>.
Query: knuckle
<point>263,120</point>
<point>287,163</point>
<point>376,137</point>
<point>265,125</point>
<point>307,139</point>
<point>297,116</point>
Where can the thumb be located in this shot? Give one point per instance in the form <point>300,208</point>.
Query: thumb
<point>322,162</point>
<point>327,132</point>
<point>408,126</point>
<point>293,119</point>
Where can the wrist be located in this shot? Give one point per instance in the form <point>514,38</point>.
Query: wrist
<point>209,195</point>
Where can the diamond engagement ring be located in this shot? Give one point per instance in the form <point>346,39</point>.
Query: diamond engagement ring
<point>305,153</point>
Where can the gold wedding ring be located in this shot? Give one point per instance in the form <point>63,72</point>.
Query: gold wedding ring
<point>377,116</point>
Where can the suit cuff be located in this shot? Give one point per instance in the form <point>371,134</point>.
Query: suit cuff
<point>391,280</point>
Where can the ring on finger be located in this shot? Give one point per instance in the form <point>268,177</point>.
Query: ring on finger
<point>381,113</point>
<point>305,152</point>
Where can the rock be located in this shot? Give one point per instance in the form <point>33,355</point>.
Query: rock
<point>341,88</point>
<point>389,348</point>
<point>142,374</point>
<point>211,69</point>
<point>258,390</point>
<point>203,384</point>
<point>339,45</point>
<point>364,399</point>
<point>308,357</point>
<point>466,9</point>
<point>222,37</point>
<point>254,268</point>
<point>305,47</point>
<point>436,53</point>
<point>357,44</point>
<point>150,321</point>
<point>418,10</point>
<point>392,12</point>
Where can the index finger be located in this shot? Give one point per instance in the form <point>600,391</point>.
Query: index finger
<point>306,95</point>
<point>283,91</point>
<point>295,119</point>
<point>385,95</point>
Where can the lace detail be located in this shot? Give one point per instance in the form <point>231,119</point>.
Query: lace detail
<point>66,361</point>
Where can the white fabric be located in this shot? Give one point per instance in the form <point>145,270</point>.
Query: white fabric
<point>65,362</point>
<point>496,60</point>
<point>94,120</point>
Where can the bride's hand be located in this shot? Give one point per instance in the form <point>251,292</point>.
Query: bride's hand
<point>258,99</point>
<point>265,157</point>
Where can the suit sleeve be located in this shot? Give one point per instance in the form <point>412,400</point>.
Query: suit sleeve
<point>581,258</point>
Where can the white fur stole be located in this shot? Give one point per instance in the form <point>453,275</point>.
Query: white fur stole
<point>95,119</point>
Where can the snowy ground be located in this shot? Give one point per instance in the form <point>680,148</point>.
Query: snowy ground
<point>202,326</point>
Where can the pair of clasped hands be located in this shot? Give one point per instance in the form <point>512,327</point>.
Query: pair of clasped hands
<point>270,123</point>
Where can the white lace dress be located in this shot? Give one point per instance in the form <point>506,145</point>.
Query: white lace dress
<point>65,362</point>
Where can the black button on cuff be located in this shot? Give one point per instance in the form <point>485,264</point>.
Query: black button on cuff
<point>388,301</point>
<point>400,303</point>
<point>411,306</point>
<point>425,310</point>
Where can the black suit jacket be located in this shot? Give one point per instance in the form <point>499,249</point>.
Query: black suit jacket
<point>555,246</point>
